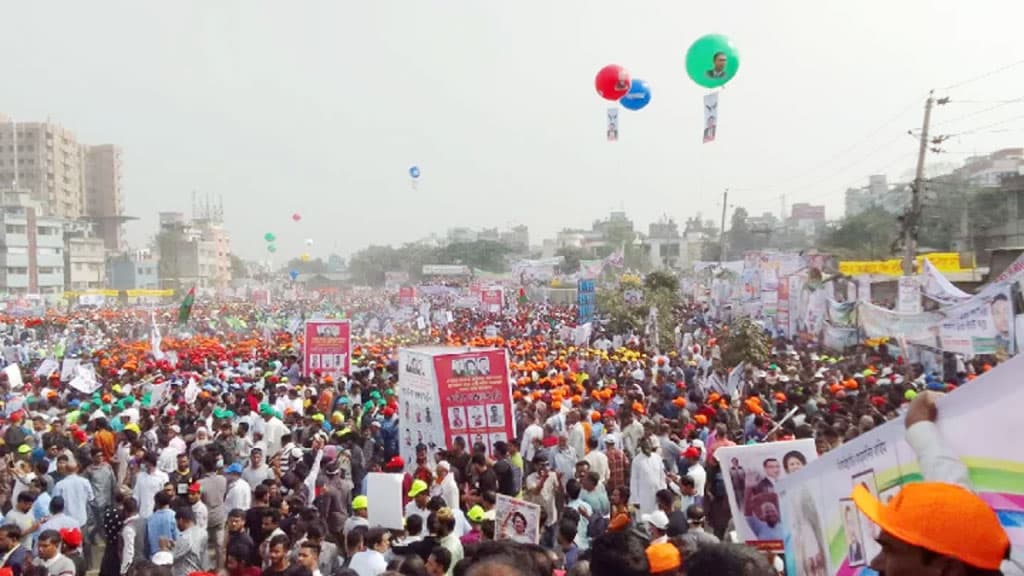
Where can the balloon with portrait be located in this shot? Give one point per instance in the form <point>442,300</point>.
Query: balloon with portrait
<point>712,60</point>
<point>639,96</point>
<point>612,82</point>
<point>269,237</point>
<point>294,274</point>
<point>414,172</point>
<point>305,257</point>
<point>271,248</point>
<point>296,217</point>
<point>309,241</point>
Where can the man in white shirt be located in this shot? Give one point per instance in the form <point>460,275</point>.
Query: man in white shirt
<point>148,482</point>
<point>371,562</point>
<point>273,430</point>
<point>696,472</point>
<point>646,477</point>
<point>446,487</point>
<point>419,494</point>
<point>533,432</point>
<point>597,460</point>
<point>239,494</point>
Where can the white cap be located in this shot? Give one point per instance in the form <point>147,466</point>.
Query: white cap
<point>657,519</point>
<point>611,439</point>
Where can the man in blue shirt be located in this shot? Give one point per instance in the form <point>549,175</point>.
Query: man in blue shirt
<point>58,519</point>
<point>161,524</point>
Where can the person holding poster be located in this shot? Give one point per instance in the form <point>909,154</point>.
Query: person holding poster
<point>517,520</point>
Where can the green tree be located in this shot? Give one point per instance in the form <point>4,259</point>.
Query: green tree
<point>571,257</point>
<point>745,342</point>
<point>483,254</point>
<point>740,238</point>
<point>661,280</point>
<point>316,266</point>
<point>867,236</point>
<point>238,268</point>
<point>659,290</point>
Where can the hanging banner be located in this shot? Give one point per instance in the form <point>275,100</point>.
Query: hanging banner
<point>938,287</point>
<point>327,347</point>
<point>586,300</point>
<point>824,533</point>
<point>613,124</point>
<point>754,472</point>
<point>908,296</point>
<point>943,261</point>
<point>710,117</point>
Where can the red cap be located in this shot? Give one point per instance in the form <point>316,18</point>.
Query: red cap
<point>71,536</point>
<point>194,487</point>
<point>395,462</point>
<point>692,452</point>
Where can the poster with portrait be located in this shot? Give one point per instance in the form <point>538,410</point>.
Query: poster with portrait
<point>613,125</point>
<point>420,413</point>
<point>752,473</point>
<point>477,382</point>
<point>710,117</point>
<point>516,520</point>
<point>326,347</point>
<point>819,528</point>
<point>491,300</point>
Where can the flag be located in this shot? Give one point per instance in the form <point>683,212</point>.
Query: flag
<point>186,306</point>
<point>155,339</point>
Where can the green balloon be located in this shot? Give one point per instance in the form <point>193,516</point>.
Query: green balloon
<point>712,60</point>
<point>271,248</point>
<point>269,237</point>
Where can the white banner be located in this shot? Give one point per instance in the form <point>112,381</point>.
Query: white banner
<point>710,117</point>
<point>14,380</point>
<point>938,287</point>
<point>908,298</point>
<point>85,379</point>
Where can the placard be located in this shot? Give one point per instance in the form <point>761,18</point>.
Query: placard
<point>516,520</point>
<point>326,348</point>
<point>384,496</point>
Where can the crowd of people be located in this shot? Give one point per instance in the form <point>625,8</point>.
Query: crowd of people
<point>213,453</point>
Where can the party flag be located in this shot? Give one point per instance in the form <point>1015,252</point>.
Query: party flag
<point>186,306</point>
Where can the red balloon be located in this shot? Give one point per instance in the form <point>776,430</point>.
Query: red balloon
<point>296,217</point>
<point>612,82</point>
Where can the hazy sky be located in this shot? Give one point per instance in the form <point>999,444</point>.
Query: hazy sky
<point>320,107</point>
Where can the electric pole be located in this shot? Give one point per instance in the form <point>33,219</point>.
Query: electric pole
<point>910,220</point>
<point>721,242</point>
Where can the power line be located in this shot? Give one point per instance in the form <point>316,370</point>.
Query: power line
<point>983,76</point>
<point>980,112</point>
<point>980,128</point>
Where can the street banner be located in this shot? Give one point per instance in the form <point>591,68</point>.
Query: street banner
<point>824,533</point>
<point>516,520</point>
<point>327,347</point>
<point>586,300</point>
<point>407,296</point>
<point>491,300</point>
<point>938,287</point>
<point>754,472</point>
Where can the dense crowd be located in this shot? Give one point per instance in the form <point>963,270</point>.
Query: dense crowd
<point>214,453</point>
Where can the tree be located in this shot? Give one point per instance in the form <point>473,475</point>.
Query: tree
<point>741,238</point>
<point>317,266</point>
<point>571,257</point>
<point>483,254</point>
<point>238,268</point>
<point>659,290</point>
<point>745,342</point>
<point>661,280</point>
<point>867,236</point>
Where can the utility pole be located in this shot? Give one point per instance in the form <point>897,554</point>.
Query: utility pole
<point>721,241</point>
<point>910,220</point>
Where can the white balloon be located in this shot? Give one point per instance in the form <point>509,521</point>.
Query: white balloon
<point>309,241</point>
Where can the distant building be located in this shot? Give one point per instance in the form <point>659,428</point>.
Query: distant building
<point>664,244</point>
<point>133,271</point>
<point>46,159</point>
<point>104,201</point>
<point>193,253</point>
<point>807,218</point>
<point>460,235</point>
<point>31,246</point>
<point>894,199</point>
<point>990,171</point>
<point>517,238</point>
<point>86,269</point>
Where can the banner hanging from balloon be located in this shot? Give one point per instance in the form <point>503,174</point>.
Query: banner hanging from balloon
<point>710,116</point>
<point>613,124</point>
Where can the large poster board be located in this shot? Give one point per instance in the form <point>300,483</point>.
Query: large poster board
<point>326,347</point>
<point>754,471</point>
<point>825,534</point>
<point>475,397</point>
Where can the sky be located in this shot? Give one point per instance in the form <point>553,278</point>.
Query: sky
<point>320,107</point>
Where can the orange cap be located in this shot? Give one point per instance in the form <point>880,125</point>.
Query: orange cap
<point>663,557</point>
<point>922,513</point>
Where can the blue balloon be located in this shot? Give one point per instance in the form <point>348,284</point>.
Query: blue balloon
<point>639,95</point>
<point>294,274</point>
<point>414,171</point>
